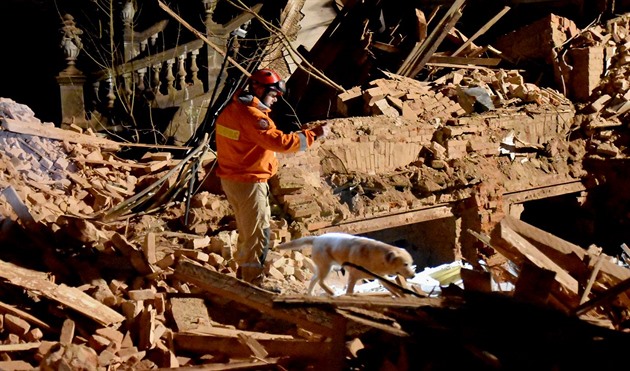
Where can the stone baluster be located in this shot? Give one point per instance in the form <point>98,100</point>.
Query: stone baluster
<point>194,69</point>
<point>170,77</point>
<point>141,73</point>
<point>111,97</point>
<point>96,89</point>
<point>156,81</point>
<point>143,45</point>
<point>181,71</point>
<point>71,79</point>
<point>128,83</point>
<point>154,38</point>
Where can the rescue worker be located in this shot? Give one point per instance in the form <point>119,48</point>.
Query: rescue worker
<point>246,141</point>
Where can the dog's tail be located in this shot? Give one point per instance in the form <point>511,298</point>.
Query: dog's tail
<point>297,244</point>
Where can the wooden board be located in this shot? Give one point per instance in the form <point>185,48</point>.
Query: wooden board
<point>563,246</point>
<point>234,348</point>
<point>389,221</point>
<point>68,296</point>
<point>251,296</point>
<point>358,301</point>
<point>51,132</point>
<point>6,308</point>
<point>530,253</point>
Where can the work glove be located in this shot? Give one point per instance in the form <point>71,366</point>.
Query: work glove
<point>321,130</point>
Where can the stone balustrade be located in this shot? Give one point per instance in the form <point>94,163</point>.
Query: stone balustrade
<point>165,78</point>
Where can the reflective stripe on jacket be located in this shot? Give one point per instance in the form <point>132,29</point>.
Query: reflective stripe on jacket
<point>247,140</point>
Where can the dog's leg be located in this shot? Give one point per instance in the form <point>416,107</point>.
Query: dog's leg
<point>326,288</point>
<point>353,277</point>
<point>323,273</point>
<point>311,286</point>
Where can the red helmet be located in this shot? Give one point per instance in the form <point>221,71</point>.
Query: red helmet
<point>270,79</point>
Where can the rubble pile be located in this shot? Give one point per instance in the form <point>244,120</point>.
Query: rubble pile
<point>604,115</point>
<point>400,161</point>
<point>133,272</point>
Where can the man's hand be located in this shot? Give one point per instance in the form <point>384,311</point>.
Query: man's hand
<point>321,130</point>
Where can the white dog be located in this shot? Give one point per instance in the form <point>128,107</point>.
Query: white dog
<point>332,249</point>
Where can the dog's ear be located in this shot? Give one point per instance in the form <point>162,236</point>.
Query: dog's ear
<point>390,256</point>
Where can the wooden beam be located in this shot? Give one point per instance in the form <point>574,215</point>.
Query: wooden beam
<point>425,55</point>
<point>115,164</point>
<point>538,193</point>
<point>51,132</point>
<point>390,221</point>
<point>372,323</point>
<point>591,279</point>
<point>68,296</point>
<point>421,52</point>
<point>547,239</point>
<point>13,199</point>
<point>358,300</point>
<point>482,30</point>
<point>200,344</point>
<point>37,128</point>
<point>10,309</point>
<point>528,252</point>
<point>534,284</point>
<point>251,296</point>
<point>462,66</point>
<point>464,61</point>
<point>257,349</point>
<point>233,333</point>
<point>604,298</point>
<point>19,347</point>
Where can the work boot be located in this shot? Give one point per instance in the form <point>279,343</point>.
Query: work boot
<point>250,272</point>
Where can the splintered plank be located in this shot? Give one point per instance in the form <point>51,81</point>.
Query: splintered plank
<point>364,320</point>
<point>19,347</point>
<point>15,365</point>
<point>6,308</point>
<point>390,221</point>
<point>68,296</point>
<point>234,347</point>
<point>528,252</point>
<point>457,61</point>
<point>482,30</point>
<point>234,333</point>
<point>565,247</point>
<point>421,53</point>
<point>251,296</point>
<point>12,197</point>
<point>51,132</point>
<point>359,301</point>
<point>257,349</point>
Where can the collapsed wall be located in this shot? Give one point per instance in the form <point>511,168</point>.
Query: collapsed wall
<point>399,168</point>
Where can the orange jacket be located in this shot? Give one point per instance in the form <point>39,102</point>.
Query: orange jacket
<point>247,140</point>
